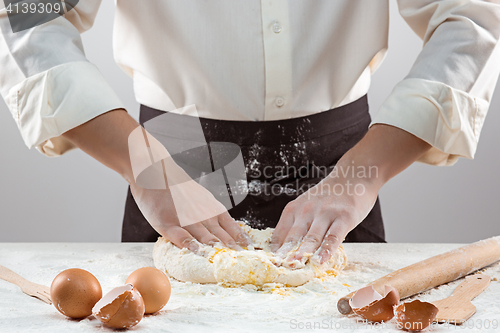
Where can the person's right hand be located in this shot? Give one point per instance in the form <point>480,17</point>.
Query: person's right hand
<point>158,208</point>
<point>106,138</point>
<point>173,203</point>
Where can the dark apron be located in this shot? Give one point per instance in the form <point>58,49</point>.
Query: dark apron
<point>283,158</point>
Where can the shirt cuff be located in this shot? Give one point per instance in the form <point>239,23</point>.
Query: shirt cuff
<point>448,119</point>
<point>50,103</point>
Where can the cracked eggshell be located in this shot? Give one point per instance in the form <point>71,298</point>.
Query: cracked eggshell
<point>416,315</point>
<point>122,307</point>
<point>372,306</point>
<point>154,287</point>
<point>74,292</point>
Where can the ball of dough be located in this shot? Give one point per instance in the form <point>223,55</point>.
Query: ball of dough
<point>257,266</point>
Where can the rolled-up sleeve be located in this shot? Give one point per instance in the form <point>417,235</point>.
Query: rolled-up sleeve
<point>46,81</point>
<point>445,97</point>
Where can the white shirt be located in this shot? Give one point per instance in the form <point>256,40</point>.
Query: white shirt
<point>259,60</point>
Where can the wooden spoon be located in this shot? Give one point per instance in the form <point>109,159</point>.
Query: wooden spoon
<point>457,308</point>
<point>29,288</point>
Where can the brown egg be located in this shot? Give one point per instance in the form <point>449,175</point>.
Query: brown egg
<point>122,307</point>
<point>74,292</point>
<point>370,305</point>
<point>154,287</point>
<point>416,315</point>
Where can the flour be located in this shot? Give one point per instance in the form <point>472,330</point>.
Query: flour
<point>256,266</point>
<point>212,308</point>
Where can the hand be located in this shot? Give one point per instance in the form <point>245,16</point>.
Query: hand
<point>321,217</point>
<point>173,203</point>
<point>159,210</point>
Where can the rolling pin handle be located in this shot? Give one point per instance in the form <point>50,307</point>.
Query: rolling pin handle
<point>343,306</point>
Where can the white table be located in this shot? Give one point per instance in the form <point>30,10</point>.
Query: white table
<point>212,308</point>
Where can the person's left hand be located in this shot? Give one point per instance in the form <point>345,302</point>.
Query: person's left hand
<point>322,216</point>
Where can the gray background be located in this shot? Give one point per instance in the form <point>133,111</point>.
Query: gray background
<point>75,199</point>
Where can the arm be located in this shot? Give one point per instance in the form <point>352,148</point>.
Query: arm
<point>434,115</point>
<point>46,80</point>
<point>106,138</point>
<point>51,89</point>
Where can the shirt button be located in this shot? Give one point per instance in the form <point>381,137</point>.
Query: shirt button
<point>279,101</point>
<point>277,27</point>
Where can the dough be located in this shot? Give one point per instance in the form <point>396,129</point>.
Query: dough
<point>256,266</point>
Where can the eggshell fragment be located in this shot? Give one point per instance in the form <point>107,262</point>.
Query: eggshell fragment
<point>416,315</point>
<point>122,307</point>
<point>154,287</point>
<point>372,306</point>
<point>74,292</point>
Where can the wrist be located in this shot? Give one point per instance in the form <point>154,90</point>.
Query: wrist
<point>360,168</point>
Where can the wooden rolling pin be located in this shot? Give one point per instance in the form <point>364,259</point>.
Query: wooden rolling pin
<point>434,271</point>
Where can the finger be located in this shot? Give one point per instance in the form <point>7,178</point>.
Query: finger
<point>181,238</point>
<point>333,238</point>
<point>282,229</point>
<point>201,233</point>
<point>314,237</point>
<point>234,230</point>
<point>297,232</point>
<point>215,229</point>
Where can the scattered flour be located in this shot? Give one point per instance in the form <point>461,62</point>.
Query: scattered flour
<point>213,308</point>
